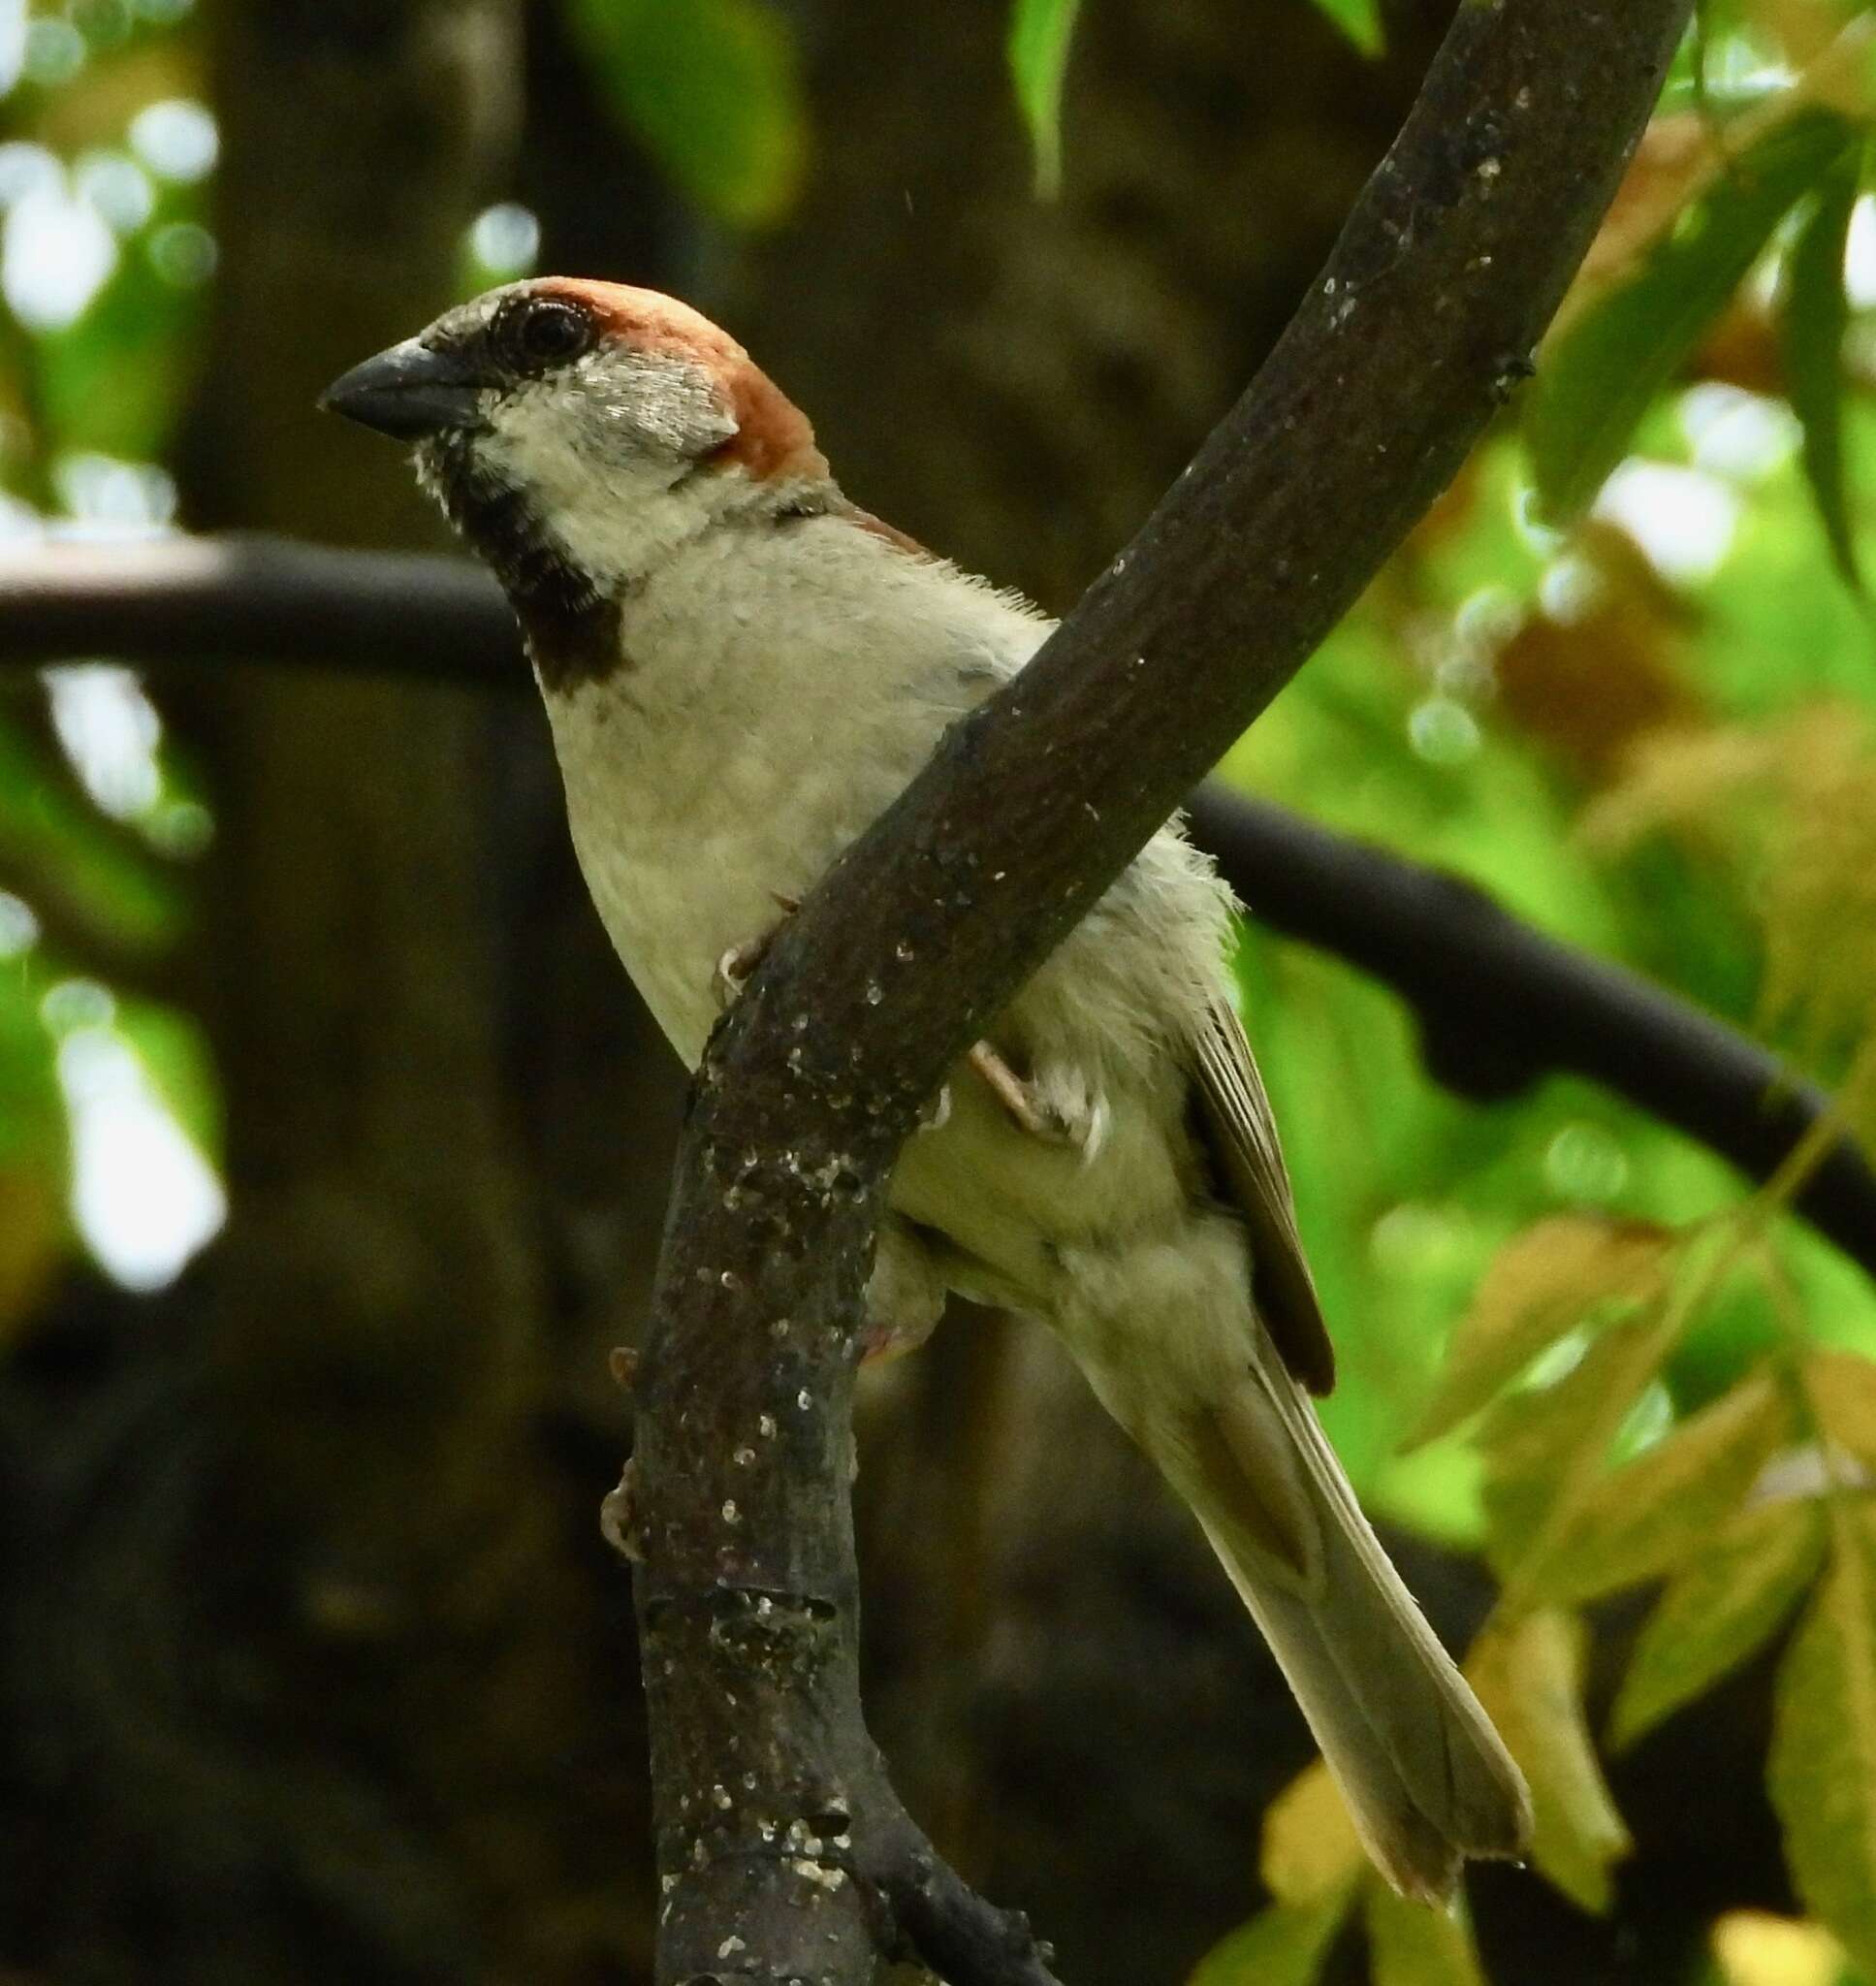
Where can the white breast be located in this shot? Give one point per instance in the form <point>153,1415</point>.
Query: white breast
<point>778,686</point>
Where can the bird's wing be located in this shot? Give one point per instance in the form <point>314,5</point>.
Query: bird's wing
<point>1237,1129</point>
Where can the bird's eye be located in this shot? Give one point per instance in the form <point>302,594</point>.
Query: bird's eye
<point>544,330</point>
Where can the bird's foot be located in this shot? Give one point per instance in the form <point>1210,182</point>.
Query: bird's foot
<point>1063,1111</point>
<point>736,965</point>
<point>881,1342</point>
<point>904,1294</point>
<point>734,968</point>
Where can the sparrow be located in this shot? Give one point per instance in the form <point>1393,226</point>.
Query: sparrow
<point>742,669</point>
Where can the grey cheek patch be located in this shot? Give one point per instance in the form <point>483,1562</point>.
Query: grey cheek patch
<point>664,404</point>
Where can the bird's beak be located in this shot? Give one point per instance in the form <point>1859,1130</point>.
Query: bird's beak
<point>408,391</point>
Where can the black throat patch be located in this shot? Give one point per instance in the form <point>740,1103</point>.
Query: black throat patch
<point>569,624</point>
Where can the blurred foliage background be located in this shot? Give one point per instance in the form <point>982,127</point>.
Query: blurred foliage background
<point>332,1144</point>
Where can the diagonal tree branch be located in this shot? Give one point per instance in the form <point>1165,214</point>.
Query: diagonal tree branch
<point>782,1849</point>
<point>1500,1004</point>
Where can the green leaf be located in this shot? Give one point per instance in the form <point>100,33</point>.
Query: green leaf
<point>1537,1288</point>
<point>89,876</point>
<point>1041,33</point>
<point>1814,314</point>
<point>175,1057</point>
<point>1821,1770</point>
<point>1729,1600</point>
<point>32,1105</point>
<point>119,379</point>
<point>1311,1852</point>
<point>1281,1946</point>
<point>1411,1945</point>
<point>1529,1674</point>
<point>711,89</point>
<point>1360,20</point>
<point>1597,377</point>
<point>1644,1520</point>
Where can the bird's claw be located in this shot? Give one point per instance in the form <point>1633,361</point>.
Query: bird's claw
<point>734,966</point>
<point>1019,1098</point>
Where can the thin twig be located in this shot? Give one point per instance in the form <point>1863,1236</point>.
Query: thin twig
<point>245,597</point>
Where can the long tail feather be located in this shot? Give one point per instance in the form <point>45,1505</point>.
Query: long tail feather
<point>1427,1779</point>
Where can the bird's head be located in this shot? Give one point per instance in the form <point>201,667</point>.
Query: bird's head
<point>583,426</point>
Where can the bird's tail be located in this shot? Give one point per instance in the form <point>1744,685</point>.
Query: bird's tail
<point>1426,1777</point>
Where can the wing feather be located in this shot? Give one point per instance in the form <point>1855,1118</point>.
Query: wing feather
<point>1235,1118</point>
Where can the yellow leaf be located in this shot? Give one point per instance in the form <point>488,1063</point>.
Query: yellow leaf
<point>1537,1288</point>
<point>1818,896</point>
<point>1311,1850</point>
<point>1676,161</point>
<point>1800,29</point>
<point>1538,1445</point>
<point>1755,1948</point>
<point>1678,776</point>
<point>1528,1673</point>
<point>1280,1946</point>
<point>1794,805</point>
<point>1724,1605</point>
<point>1680,156</point>
<point>1639,1523</point>
<point>1821,1770</point>
<point>1836,71</point>
<point>1842,1391</point>
<point>1411,1945</point>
